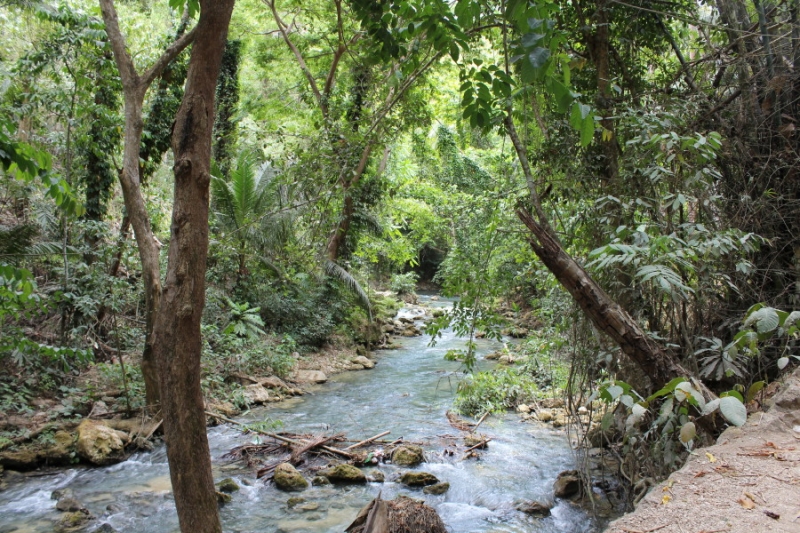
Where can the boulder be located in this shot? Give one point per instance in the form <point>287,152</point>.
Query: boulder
<point>287,478</point>
<point>534,508</point>
<point>98,443</point>
<point>544,415</point>
<point>408,455</point>
<point>320,481</point>
<point>476,440</point>
<point>223,498</point>
<point>560,420</point>
<point>256,394</point>
<point>418,479</point>
<point>227,485</point>
<point>376,476</point>
<point>311,376</point>
<point>567,484</point>
<point>523,409</point>
<point>363,361</point>
<point>437,489</point>
<point>344,474</point>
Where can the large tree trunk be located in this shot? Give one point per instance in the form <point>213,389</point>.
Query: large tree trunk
<point>134,88</point>
<point>177,329</point>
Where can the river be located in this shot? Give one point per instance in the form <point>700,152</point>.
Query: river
<point>407,393</point>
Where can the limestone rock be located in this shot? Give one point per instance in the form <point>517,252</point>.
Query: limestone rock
<point>98,443</point>
<point>344,473</point>
<point>567,484</point>
<point>408,455</point>
<point>223,498</point>
<point>319,481</point>
<point>256,394</point>
<point>552,403</point>
<point>476,440</point>
<point>311,376</point>
<point>544,415</point>
<point>61,452</point>
<point>287,478</point>
<point>227,485</point>
<point>68,503</point>
<point>294,501</point>
<point>363,361</point>
<point>523,409</point>
<point>418,479</point>
<point>437,489</point>
<point>376,476</point>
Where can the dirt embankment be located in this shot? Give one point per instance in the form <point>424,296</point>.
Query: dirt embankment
<point>749,482</point>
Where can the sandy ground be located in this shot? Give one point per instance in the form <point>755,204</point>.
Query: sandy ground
<point>749,482</point>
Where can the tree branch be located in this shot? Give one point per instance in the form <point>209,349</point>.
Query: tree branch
<point>302,62</point>
<point>166,58</point>
<point>127,70</point>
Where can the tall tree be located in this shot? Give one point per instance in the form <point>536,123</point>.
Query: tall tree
<point>134,87</point>
<point>177,330</point>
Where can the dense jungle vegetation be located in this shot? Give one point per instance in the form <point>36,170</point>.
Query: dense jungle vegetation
<point>623,174</point>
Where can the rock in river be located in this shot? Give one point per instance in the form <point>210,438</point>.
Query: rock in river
<point>418,479</point>
<point>363,361</point>
<point>567,484</point>
<point>409,455</point>
<point>438,488</point>
<point>310,376</point>
<point>98,443</point>
<point>344,473</point>
<point>287,478</point>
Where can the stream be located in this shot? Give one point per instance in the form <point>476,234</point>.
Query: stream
<point>408,393</point>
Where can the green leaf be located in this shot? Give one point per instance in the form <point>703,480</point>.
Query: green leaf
<point>733,410</point>
<point>764,319</point>
<point>757,386</point>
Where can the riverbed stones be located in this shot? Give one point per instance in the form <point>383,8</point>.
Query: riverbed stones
<point>310,376</point>
<point>376,476</point>
<point>227,485</point>
<point>567,484</point>
<point>418,479</point>
<point>437,489</point>
<point>344,474</point>
<point>320,481</point>
<point>223,498</point>
<point>68,503</point>
<point>98,443</point>
<point>408,455</point>
<point>287,478</point>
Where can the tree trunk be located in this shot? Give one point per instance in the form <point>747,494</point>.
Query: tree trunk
<point>604,313</point>
<point>134,88</point>
<point>177,328</point>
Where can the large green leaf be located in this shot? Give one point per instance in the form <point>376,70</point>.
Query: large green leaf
<point>733,410</point>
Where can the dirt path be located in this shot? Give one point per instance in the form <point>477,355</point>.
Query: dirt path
<point>749,482</point>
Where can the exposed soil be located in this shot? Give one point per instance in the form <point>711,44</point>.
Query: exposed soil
<point>749,482</point>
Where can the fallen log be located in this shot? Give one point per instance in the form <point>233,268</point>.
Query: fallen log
<point>367,441</point>
<point>458,422</point>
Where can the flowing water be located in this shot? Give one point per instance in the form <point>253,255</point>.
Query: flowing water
<point>407,393</point>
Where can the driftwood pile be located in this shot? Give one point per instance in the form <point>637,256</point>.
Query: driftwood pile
<point>401,515</point>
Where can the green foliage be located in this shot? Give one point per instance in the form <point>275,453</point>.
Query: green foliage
<point>404,283</point>
<point>244,321</point>
<point>767,335</point>
<point>494,391</point>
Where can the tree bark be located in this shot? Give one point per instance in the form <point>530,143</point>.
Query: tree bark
<point>177,329</point>
<point>604,313</point>
<point>134,88</point>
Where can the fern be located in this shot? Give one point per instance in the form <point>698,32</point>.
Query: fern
<point>335,271</point>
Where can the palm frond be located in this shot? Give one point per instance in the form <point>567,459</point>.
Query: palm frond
<point>337,272</point>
